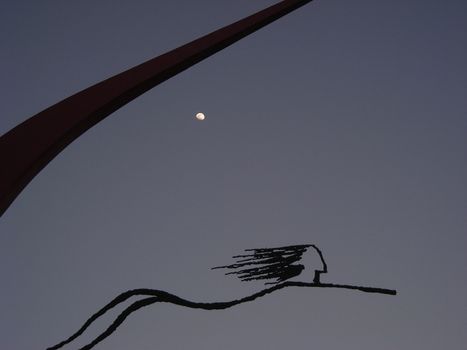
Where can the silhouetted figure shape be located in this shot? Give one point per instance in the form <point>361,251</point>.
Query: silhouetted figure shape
<point>278,264</point>
<point>262,263</point>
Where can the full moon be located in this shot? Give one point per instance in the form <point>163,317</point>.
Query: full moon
<point>200,116</point>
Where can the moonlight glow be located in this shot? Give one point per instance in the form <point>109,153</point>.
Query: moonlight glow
<point>200,116</point>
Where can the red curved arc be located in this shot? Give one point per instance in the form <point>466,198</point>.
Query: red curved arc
<point>29,147</point>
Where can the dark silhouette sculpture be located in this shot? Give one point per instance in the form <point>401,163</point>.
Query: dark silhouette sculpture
<point>279,264</point>
<point>272,263</point>
<point>29,147</point>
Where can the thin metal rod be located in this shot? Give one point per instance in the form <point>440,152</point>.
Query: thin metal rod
<point>29,147</point>
<point>165,297</point>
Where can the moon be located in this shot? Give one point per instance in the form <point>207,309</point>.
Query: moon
<point>200,116</point>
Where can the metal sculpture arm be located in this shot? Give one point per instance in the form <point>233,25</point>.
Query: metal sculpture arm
<point>29,147</point>
<point>277,259</point>
<point>154,296</point>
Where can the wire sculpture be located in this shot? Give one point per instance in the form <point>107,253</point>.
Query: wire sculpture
<point>30,146</point>
<point>278,264</point>
<point>272,263</point>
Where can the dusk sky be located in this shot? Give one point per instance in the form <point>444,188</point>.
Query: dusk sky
<point>343,124</point>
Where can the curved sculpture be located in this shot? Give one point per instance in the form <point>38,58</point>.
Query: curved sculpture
<point>268,264</point>
<point>29,147</point>
<point>153,296</point>
<point>159,296</point>
<point>278,264</point>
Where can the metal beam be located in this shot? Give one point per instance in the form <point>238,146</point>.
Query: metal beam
<point>29,147</point>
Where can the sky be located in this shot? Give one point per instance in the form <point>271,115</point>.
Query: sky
<point>342,124</point>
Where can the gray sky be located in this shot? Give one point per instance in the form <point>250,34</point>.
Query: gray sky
<point>343,124</point>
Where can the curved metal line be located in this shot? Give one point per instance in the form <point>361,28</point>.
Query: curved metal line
<point>165,297</point>
<point>29,147</point>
